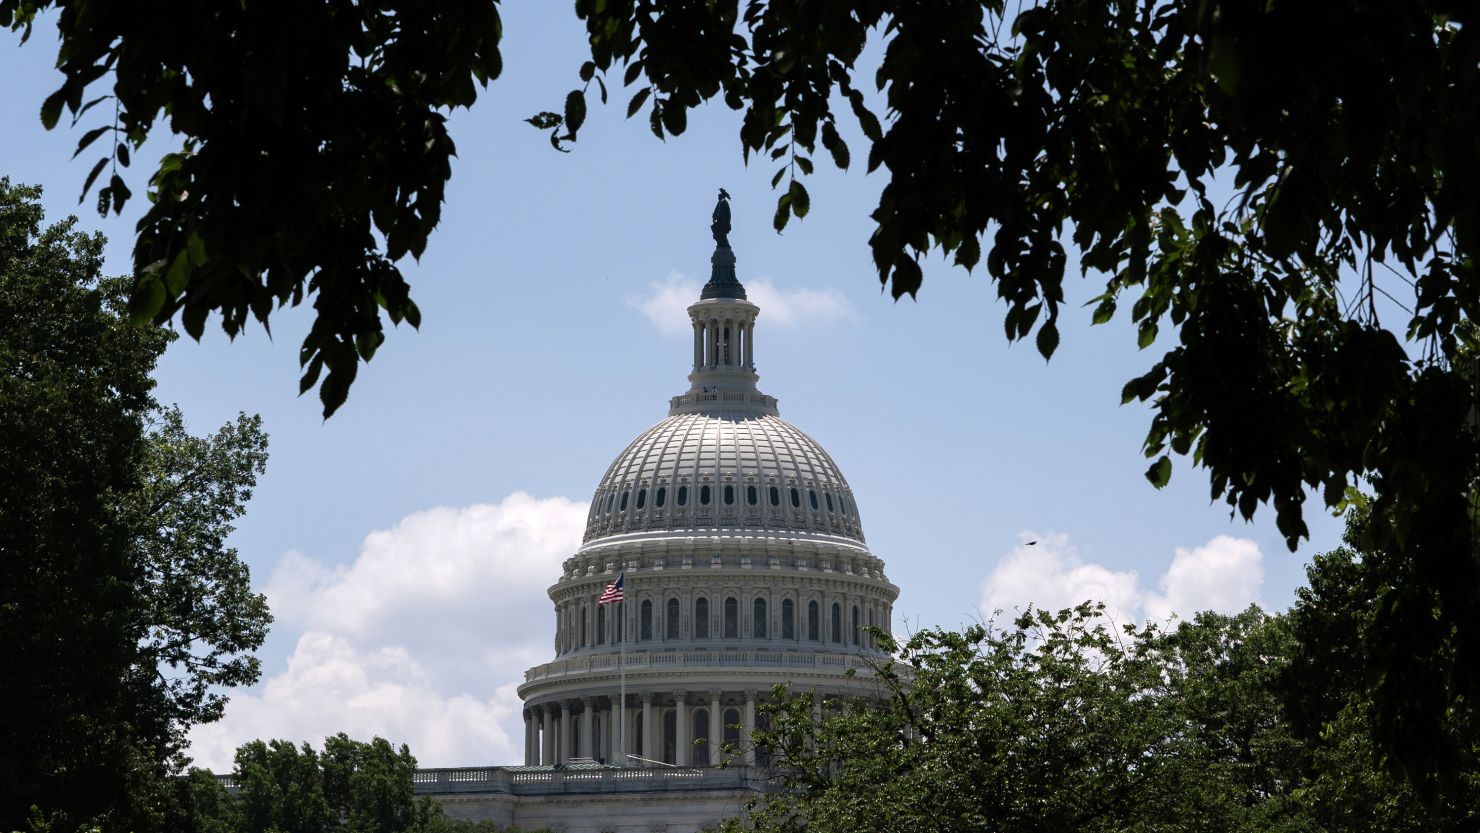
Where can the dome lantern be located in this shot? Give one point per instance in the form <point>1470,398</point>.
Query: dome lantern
<point>723,374</point>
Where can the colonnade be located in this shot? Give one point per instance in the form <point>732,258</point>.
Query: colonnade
<point>724,342</point>
<point>551,736</point>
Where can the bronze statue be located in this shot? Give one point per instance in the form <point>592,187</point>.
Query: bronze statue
<point>720,226</point>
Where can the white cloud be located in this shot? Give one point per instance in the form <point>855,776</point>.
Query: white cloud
<point>1223,575</point>
<point>666,303</point>
<point>422,639</point>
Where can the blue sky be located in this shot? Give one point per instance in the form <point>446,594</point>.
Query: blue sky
<point>406,543</point>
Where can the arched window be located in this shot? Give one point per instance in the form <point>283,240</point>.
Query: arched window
<point>646,631</point>
<point>827,495</point>
<point>703,753</point>
<point>611,499</point>
<point>729,494</point>
<point>601,626</point>
<point>641,498</point>
<point>623,507</point>
<point>732,617</point>
<point>843,505</point>
<point>837,623</point>
<point>670,622</point>
<point>811,496</point>
<point>701,618</point>
<point>583,627</point>
<point>704,495</point>
<point>732,725</point>
<point>683,495</point>
<point>758,627</point>
<point>855,624</point>
<point>750,495</point>
<point>775,496</point>
<point>788,619</point>
<point>796,498</point>
<point>662,497</point>
<point>812,625</point>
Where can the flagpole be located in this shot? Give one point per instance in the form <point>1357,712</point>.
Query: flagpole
<point>622,669</point>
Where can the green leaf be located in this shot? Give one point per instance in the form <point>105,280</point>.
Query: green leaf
<point>835,145</point>
<point>1160,472</point>
<point>637,100</point>
<point>545,120</point>
<point>588,69</point>
<point>1048,339</point>
<point>575,112</point>
<point>89,137</point>
<point>801,203</point>
<point>783,212</point>
<point>51,108</point>
<point>92,177</point>
<point>675,117</point>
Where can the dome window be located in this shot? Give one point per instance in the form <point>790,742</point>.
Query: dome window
<point>811,496</point>
<point>645,631</point>
<point>611,501</point>
<point>750,495</point>
<point>812,625</point>
<point>641,498</point>
<point>732,617</point>
<point>788,619</point>
<point>796,498</point>
<point>758,627</point>
<point>670,621</point>
<point>623,507</point>
<point>661,497</point>
<point>729,494</point>
<point>683,495</point>
<point>828,495</point>
<point>704,495</point>
<point>775,496</point>
<point>701,618</point>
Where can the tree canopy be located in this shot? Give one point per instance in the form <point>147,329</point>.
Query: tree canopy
<point>1060,721</point>
<point>1278,194</point>
<point>123,615</point>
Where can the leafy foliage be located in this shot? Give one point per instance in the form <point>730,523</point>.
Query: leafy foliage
<point>120,608</point>
<point>1062,723</point>
<point>314,152</point>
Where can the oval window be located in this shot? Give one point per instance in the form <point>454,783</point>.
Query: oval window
<point>796,498</point>
<point>623,506</point>
<point>704,494</point>
<point>610,500</point>
<point>775,496</point>
<point>729,494</point>
<point>660,498</point>
<point>827,495</point>
<point>641,498</point>
<point>811,495</point>
<point>683,495</point>
<point>750,495</point>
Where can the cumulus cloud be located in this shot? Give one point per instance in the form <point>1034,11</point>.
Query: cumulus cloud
<point>422,639</point>
<point>1223,575</point>
<point>666,303</point>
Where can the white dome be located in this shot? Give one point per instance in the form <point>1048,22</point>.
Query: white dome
<point>723,469</point>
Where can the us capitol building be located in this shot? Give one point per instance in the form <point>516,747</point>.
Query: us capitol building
<point>743,565</point>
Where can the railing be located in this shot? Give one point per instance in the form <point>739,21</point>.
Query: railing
<point>667,660</point>
<point>521,781</point>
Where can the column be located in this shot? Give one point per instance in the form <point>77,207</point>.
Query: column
<point>614,733</point>
<point>588,750</point>
<point>716,728</point>
<point>564,754</point>
<point>529,748</point>
<point>547,738</point>
<point>698,345</point>
<point>713,342</point>
<point>649,748</point>
<point>750,345</point>
<point>746,737</point>
<point>682,743</point>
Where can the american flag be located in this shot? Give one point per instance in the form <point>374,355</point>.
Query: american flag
<point>613,592</point>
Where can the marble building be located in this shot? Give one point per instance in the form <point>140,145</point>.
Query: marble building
<point>744,565</point>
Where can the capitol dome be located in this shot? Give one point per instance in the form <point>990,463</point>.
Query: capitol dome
<point>723,469</point>
<point>723,555</point>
